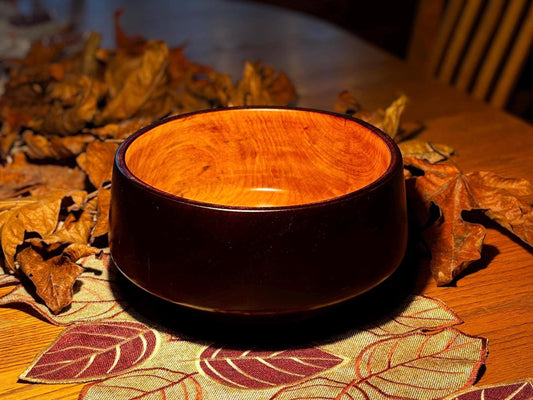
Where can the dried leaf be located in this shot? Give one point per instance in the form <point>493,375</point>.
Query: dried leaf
<point>97,162</point>
<point>500,197</point>
<point>75,105</point>
<point>93,351</point>
<point>40,217</point>
<point>21,177</point>
<point>120,130</point>
<point>430,152</point>
<point>347,103</point>
<point>54,146</point>
<point>89,62</point>
<point>263,369</point>
<point>259,85</point>
<point>53,278</point>
<point>102,222</point>
<point>145,383</point>
<point>76,228</point>
<point>387,120</point>
<point>98,296</point>
<point>139,85</point>
<point>390,122</point>
<point>454,243</point>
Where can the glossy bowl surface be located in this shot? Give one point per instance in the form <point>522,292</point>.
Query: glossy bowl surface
<point>258,211</point>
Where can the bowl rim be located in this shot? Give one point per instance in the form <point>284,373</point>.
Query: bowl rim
<point>396,162</point>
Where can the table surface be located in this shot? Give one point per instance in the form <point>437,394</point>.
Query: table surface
<point>494,297</point>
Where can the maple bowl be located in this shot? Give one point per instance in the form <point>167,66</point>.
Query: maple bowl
<point>258,211</point>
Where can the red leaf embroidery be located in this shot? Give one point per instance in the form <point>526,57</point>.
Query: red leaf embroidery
<point>93,351</point>
<point>148,383</point>
<point>264,369</point>
<point>510,391</point>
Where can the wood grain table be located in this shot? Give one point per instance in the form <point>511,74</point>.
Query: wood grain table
<point>494,297</point>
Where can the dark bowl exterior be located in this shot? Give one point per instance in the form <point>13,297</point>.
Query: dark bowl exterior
<point>257,261</point>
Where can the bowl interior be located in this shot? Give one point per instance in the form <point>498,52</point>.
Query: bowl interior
<point>258,157</point>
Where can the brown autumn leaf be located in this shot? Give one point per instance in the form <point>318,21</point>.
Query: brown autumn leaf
<point>74,105</point>
<point>431,152</point>
<point>101,226</point>
<point>53,278</point>
<point>260,85</point>
<point>40,217</point>
<point>97,161</point>
<point>100,295</point>
<point>54,146</point>
<point>139,85</point>
<point>76,228</point>
<point>120,130</point>
<point>20,177</point>
<point>387,120</point>
<point>455,243</point>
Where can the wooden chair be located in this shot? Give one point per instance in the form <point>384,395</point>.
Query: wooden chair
<point>477,46</point>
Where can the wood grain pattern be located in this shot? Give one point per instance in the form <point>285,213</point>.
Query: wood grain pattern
<point>494,296</point>
<point>259,158</point>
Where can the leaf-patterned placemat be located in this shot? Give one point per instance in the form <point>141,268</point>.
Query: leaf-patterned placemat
<point>414,351</point>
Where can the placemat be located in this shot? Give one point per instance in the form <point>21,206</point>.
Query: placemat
<point>124,347</point>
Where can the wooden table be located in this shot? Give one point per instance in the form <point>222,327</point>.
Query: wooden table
<point>494,299</point>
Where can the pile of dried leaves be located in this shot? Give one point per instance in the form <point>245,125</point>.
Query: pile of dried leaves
<point>62,118</point>
<point>433,179</point>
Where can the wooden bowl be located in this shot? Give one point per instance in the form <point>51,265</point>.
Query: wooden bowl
<point>258,210</point>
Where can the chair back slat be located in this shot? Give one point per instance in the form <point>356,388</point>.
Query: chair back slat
<point>515,62</point>
<point>480,46</point>
<point>498,49</point>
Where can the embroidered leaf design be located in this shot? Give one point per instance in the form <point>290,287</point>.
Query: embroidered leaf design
<point>252,369</point>
<point>8,279</point>
<point>420,366</point>
<point>321,388</point>
<point>148,383</point>
<point>416,313</point>
<point>508,391</point>
<point>93,351</point>
<point>98,296</point>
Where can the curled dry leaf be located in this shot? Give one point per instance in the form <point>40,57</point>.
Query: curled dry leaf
<point>21,177</point>
<point>97,161</point>
<point>260,85</point>
<point>40,217</point>
<point>54,146</point>
<point>101,226</point>
<point>99,295</point>
<point>139,85</point>
<point>431,152</point>
<point>387,120</point>
<point>455,243</point>
<point>53,278</point>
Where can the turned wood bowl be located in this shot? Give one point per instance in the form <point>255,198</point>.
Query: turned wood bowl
<point>258,211</point>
